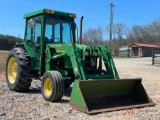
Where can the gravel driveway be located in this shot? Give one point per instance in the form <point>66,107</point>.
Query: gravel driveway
<point>31,105</point>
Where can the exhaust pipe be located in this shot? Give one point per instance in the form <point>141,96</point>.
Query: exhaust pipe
<point>80,39</point>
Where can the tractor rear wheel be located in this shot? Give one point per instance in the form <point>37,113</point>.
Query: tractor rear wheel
<point>18,70</point>
<point>52,86</point>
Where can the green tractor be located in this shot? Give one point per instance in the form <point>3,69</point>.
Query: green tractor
<point>50,53</point>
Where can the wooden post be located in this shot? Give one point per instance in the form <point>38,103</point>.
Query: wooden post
<point>152,57</point>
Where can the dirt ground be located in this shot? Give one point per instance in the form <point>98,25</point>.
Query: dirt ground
<point>31,105</point>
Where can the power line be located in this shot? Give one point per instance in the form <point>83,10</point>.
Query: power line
<point>96,19</point>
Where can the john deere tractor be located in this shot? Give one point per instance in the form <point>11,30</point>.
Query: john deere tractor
<point>51,54</point>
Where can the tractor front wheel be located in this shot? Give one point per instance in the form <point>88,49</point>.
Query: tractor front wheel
<point>52,86</point>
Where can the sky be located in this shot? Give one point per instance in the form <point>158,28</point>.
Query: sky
<point>95,12</point>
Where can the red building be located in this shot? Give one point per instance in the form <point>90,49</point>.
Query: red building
<point>142,50</point>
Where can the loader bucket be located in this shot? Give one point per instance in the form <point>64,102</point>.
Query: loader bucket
<point>93,96</point>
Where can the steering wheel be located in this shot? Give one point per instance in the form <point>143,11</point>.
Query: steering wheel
<point>53,40</point>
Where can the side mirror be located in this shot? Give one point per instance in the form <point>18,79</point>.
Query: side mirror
<point>31,23</point>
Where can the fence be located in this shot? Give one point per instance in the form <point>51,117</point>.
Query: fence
<point>155,57</point>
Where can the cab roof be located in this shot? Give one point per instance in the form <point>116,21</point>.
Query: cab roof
<point>47,11</point>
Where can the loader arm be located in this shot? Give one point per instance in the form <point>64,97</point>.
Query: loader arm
<point>55,51</point>
<point>77,63</point>
<point>108,57</point>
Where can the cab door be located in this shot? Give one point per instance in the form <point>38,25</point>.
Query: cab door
<point>33,37</point>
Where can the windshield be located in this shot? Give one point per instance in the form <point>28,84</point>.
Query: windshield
<point>58,29</point>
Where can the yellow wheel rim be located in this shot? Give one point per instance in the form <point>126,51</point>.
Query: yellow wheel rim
<point>48,86</point>
<point>12,70</point>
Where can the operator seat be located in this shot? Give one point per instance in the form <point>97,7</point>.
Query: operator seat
<point>46,40</point>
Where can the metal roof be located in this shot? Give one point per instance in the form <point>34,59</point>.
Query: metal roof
<point>44,10</point>
<point>144,45</point>
<point>123,48</point>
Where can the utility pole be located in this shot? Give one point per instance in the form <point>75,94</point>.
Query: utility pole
<point>111,23</point>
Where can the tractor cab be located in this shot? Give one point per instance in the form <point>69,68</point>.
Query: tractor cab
<point>48,27</point>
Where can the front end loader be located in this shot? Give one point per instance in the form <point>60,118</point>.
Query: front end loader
<point>50,53</point>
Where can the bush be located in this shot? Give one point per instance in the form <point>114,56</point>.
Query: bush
<point>8,41</point>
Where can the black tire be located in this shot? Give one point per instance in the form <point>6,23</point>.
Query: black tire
<point>21,81</point>
<point>54,93</point>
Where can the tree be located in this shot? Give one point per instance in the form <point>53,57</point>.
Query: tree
<point>120,30</point>
<point>7,41</point>
<point>93,36</point>
<point>145,34</point>
<point>122,35</point>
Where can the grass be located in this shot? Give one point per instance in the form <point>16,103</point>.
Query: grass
<point>3,56</point>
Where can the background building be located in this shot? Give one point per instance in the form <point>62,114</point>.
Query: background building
<point>124,51</point>
<point>142,50</point>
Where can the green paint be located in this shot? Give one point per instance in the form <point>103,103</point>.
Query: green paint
<point>77,98</point>
<point>106,88</point>
<point>86,94</point>
<point>42,11</point>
